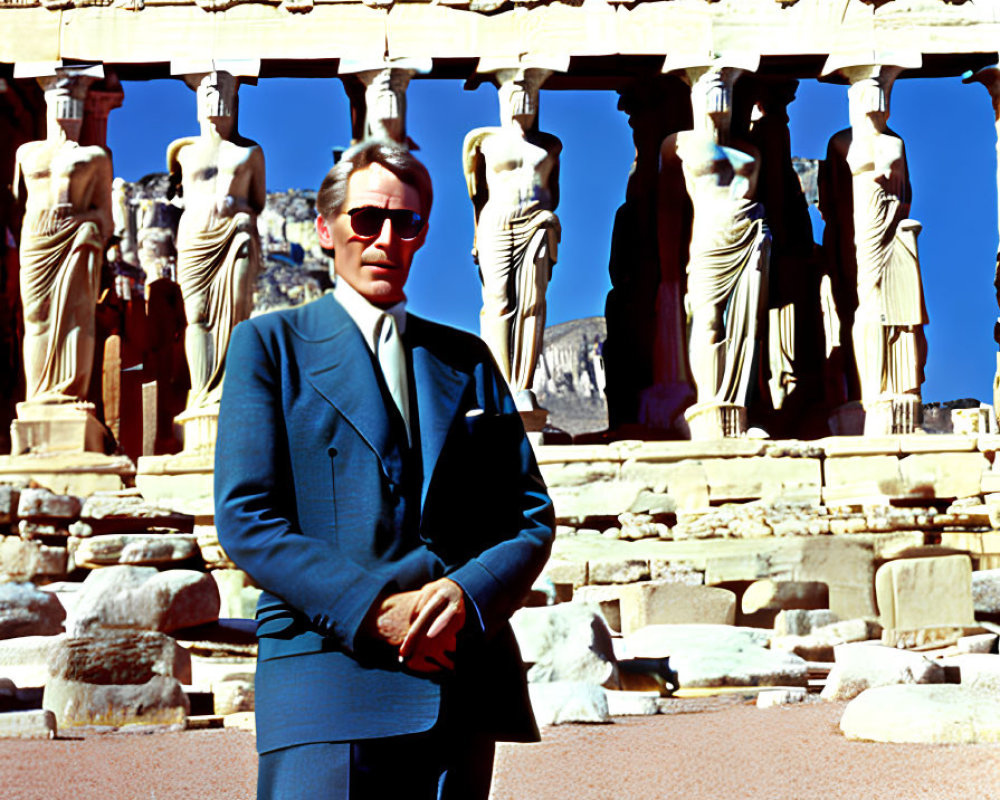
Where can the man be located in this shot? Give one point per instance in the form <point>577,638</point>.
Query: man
<point>373,477</point>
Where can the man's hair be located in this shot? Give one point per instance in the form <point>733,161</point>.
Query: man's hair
<point>394,157</point>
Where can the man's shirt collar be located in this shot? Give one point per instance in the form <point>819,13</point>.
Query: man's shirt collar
<point>365,315</point>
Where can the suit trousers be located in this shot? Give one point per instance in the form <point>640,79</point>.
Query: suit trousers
<point>440,764</point>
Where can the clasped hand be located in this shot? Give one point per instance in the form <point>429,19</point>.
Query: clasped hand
<point>423,624</point>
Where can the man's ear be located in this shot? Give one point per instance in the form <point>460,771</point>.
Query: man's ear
<point>324,232</point>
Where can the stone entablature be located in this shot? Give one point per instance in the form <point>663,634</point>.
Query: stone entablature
<point>149,31</point>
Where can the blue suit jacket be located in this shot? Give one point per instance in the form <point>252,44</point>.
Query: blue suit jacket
<point>321,501</point>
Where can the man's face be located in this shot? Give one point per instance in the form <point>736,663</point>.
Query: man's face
<point>375,266</point>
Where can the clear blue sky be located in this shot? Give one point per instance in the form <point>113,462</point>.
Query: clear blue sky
<point>947,126</point>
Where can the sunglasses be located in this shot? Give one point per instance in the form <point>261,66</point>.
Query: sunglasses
<point>367,221</point>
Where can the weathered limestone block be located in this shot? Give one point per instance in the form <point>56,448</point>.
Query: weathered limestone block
<point>233,696</point>
<point>135,548</point>
<point>622,570</point>
<point>579,473</point>
<point>716,655</point>
<point>641,526</point>
<point>25,660</point>
<point>575,504</point>
<point>986,591</point>
<point>632,704</point>
<point>158,703</point>
<point>860,665</point>
<point>33,724</point>
<point>925,592</point>
<point>9,497</point>
<point>143,598</point>
<point>571,573</point>
<point>211,551</point>
<point>861,479</point>
<point>119,657</point>
<point>661,569</point>
<point>941,714</point>
<point>607,598</point>
<point>802,621</point>
<point>207,671</point>
<point>656,504</point>
<point>643,604</point>
<point>943,474</point>
<point>792,479</point>
<point>561,702</point>
<point>980,671</point>
<point>238,597</point>
<point>31,529</point>
<point>781,697</point>
<point>26,610</point>
<point>41,504</point>
<point>820,644</point>
<point>22,560</point>
<point>685,481</point>
<point>566,642</point>
<point>772,595</point>
<point>129,513</point>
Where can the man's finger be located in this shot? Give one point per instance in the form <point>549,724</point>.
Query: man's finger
<point>423,621</point>
<point>442,621</point>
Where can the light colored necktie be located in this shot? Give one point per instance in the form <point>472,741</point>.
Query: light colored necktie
<point>392,360</point>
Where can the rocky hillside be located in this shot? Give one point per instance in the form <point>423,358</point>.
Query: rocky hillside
<point>569,379</point>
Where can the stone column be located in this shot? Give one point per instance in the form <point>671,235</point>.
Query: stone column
<point>728,252</point>
<point>512,173</point>
<point>378,97</point>
<point>990,78</point>
<point>67,220</point>
<point>887,332</point>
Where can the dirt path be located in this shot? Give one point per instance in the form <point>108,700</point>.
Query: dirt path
<point>733,751</point>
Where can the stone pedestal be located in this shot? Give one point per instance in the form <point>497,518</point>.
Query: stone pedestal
<point>199,428</point>
<point>56,428</point>
<point>716,421</point>
<point>893,414</point>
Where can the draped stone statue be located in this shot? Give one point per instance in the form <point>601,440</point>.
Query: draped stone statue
<point>512,174</point>
<point>728,257</point>
<point>889,344</point>
<point>67,220</point>
<point>220,176</point>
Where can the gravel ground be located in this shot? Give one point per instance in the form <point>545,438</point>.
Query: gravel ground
<point>727,749</point>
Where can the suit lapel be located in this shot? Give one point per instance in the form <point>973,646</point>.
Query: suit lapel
<point>439,390</point>
<point>339,367</point>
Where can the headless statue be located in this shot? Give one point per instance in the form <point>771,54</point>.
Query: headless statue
<point>889,344</point>
<point>512,174</point>
<point>67,220</point>
<point>221,177</point>
<point>728,258</point>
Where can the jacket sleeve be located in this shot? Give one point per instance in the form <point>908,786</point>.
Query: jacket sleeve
<point>498,579</point>
<point>255,506</point>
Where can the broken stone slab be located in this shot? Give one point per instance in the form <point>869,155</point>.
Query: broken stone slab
<point>986,591</point>
<point>116,512</point>
<point>574,505</point>
<point>233,696</point>
<point>716,655</point>
<point>662,569</point>
<point>25,610</point>
<point>32,529</point>
<point>632,704</point>
<point>934,714</point>
<point>566,573</point>
<point>774,595</point>
<point>802,621</point>
<point>641,526</point>
<point>925,592</point>
<point>158,704</point>
<point>619,570</point>
<point>820,643</point>
<point>862,665</point>
<point>781,697</point>
<point>41,504</point>
<point>135,548</point>
<point>943,474</point>
<point>564,702</point>
<point>226,637</point>
<point>25,660</point>
<point>685,482</point>
<point>21,560</point>
<point>656,504</point>
<point>657,603</point>
<point>144,598</point>
<point>119,657</point>
<point>9,497</point>
<point>980,671</point>
<point>565,642</point>
<point>32,724</point>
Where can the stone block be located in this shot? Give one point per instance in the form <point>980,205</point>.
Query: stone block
<point>861,479</point>
<point>820,644</point>
<point>9,497</point>
<point>119,657</point>
<point>654,503</point>
<point>942,714</point>
<point>41,504</point>
<point>662,569</point>
<point>206,671</point>
<point>565,642</point>
<point>25,660</point>
<point>666,603</point>
<point>781,697</point>
<point>233,696</point>
<point>686,482</point>
<point>564,454</point>
<point>939,443</point>
<point>183,483</point>
<point>802,621</point>
<point>211,551</point>
<point>943,474</point>
<point>563,702</point>
<point>121,512</point>
<point>33,724</point>
<point>22,560</point>
<point>25,610</point>
<point>861,665</point>
<point>607,598</point>
<point>561,571</point>
<point>144,598</point>
<point>237,596</point>
<point>925,592</point>
<point>574,505</point>
<point>703,449</point>
<point>621,570</point>
<point>986,591</point>
<point>632,704</point>
<point>135,548</point>
<point>579,473</point>
<point>848,446</point>
<point>980,671</point>
<point>160,703</point>
<point>772,595</point>
<point>793,479</point>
